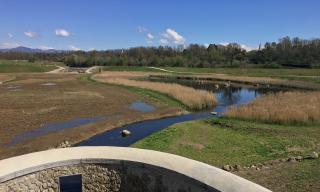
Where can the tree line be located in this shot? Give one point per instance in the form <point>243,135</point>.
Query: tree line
<point>291,52</point>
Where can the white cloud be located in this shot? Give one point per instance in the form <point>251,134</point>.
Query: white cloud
<point>224,43</point>
<point>174,36</point>
<point>248,48</point>
<point>141,29</point>
<point>206,45</point>
<point>243,46</point>
<point>10,35</point>
<point>74,48</point>
<point>62,33</point>
<point>150,36</point>
<point>43,47</point>
<point>9,45</point>
<point>163,41</point>
<point>30,34</point>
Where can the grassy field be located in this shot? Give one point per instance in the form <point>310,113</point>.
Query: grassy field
<point>281,108</point>
<point>228,141</point>
<point>7,66</point>
<point>290,177</point>
<point>190,97</point>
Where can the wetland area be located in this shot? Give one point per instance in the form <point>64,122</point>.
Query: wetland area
<point>40,111</point>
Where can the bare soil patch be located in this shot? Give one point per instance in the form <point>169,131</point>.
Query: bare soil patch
<point>36,105</point>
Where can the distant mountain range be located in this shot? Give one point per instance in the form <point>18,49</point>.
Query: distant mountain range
<point>22,49</point>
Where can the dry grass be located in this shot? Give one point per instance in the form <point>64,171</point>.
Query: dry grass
<point>192,98</point>
<point>283,108</point>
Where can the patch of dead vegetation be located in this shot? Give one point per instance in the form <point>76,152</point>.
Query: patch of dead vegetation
<point>282,108</point>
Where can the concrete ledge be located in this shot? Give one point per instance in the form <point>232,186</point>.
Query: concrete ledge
<point>206,174</point>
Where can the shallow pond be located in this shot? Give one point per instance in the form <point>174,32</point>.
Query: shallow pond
<point>142,107</point>
<point>226,97</point>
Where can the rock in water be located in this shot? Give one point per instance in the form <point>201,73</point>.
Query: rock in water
<point>125,133</point>
<point>214,113</point>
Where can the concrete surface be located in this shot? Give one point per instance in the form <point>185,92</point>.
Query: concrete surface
<point>206,174</point>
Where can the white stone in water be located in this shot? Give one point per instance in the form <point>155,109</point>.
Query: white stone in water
<point>214,113</point>
<point>125,132</point>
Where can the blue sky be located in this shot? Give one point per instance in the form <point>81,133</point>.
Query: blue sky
<point>102,24</point>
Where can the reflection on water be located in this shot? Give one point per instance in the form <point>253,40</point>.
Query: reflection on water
<point>226,97</point>
<point>234,96</point>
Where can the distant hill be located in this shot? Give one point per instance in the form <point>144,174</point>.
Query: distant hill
<point>22,49</point>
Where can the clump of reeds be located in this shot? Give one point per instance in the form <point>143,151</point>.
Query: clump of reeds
<point>282,108</point>
<point>192,98</point>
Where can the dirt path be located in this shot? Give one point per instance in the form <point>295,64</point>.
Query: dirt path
<point>169,71</point>
<point>92,69</point>
<point>60,69</point>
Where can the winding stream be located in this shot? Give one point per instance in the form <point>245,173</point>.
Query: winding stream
<point>226,97</point>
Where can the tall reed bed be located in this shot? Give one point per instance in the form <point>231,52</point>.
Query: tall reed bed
<point>192,98</point>
<point>282,108</point>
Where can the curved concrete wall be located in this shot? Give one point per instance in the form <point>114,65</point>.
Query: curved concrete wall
<point>180,171</point>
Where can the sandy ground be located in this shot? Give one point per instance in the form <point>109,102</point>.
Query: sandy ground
<point>27,104</point>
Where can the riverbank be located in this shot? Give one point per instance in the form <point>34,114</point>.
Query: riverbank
<point>234,142</point>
